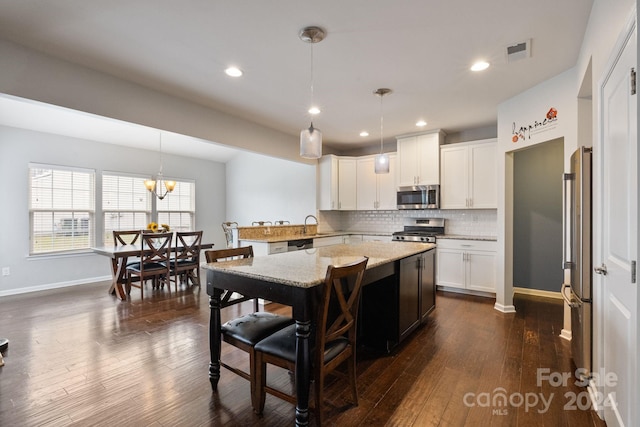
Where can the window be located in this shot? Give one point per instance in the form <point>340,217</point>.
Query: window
<point>61,208</point>
<point>177,209</point>
<point>126,204</point>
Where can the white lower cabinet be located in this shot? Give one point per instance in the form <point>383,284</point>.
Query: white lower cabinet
<point>375,238</point>
<point>265,248</point>
<point>466,264</point>
<point>319,242</point>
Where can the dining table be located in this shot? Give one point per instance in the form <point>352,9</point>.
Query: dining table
<point>120,257</point>
<point>295,279</point>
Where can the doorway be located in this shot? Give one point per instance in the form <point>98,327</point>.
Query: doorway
<point>537,216</point>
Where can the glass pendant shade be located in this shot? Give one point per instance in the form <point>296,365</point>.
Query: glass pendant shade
<point>382,159</point>
<point>311,143</point>
<point>382,163</point>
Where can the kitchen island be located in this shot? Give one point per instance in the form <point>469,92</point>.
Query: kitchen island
<point>395,270</point>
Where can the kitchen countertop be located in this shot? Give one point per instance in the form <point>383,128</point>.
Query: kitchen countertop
<point>307,268</point>
<point>286,238</point>
<point>467,237</point>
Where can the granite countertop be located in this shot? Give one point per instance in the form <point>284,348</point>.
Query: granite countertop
<point>286,238</point>
<point>308,267</point>
<point>467,237</point>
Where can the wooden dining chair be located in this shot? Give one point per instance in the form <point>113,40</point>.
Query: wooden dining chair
<point>125,237</point>
<point>185,263</point>
<point>155,256</point>
<point>335,338</point>
<point>245,331</point>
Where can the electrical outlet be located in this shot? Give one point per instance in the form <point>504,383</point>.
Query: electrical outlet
<point>6,271</point>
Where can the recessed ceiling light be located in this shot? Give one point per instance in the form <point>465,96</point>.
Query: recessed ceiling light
<point>314,110</point>
<point>421,123</point>
<point>364,133</point>
<point>480,66</point>
<point>233,72</point>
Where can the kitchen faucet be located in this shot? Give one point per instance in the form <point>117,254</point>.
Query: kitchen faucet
<point>304,230</point>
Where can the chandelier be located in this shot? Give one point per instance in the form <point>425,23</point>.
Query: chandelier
<point>156,184</point>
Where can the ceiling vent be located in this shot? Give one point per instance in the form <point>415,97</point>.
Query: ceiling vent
<point>519,51</point>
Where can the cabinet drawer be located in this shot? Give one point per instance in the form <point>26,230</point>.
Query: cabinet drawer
<point>467,245</point>
<point>277,247</point>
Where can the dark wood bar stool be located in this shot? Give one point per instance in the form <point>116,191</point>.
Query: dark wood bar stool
<point>335,338</point>
<point>245,331</point>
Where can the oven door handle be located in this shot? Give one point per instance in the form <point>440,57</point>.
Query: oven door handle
<point>571,302</point>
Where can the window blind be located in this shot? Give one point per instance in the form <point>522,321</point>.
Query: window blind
<point>126,204</point>
<point>61,208</point>
<point>177,209</point>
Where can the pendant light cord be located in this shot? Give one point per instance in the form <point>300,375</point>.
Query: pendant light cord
<point>381,124</point>
<point>161,153</point>
<point>311,106</point>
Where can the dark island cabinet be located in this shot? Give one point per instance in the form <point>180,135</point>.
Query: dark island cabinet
<point>395,307</point>
<point>416,289</point>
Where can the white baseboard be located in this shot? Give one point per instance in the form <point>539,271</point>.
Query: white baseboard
<point>596,404</point>
<point>504,308</point>
<point>537,293</point>
<point>58,285</point>
<point>566,334</point>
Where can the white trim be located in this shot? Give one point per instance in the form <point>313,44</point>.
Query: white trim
<point>537,293</point>
<point>566,334</point>
<point>504,308</point>
<point>58,285</point>
<point>466,291</point>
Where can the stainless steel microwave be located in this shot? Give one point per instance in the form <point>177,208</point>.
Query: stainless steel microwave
<point>419,197</point>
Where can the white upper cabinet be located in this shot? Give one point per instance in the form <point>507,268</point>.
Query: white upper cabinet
<point>328,183</point>
<point>468,177</point>
<point>347,188</point>
<point>376,191</point>
<point>419,159</point>
<point>336,183</point>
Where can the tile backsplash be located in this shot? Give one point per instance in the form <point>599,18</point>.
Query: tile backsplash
<point>476,222</point>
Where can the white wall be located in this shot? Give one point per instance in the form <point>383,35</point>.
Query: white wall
<point>19,147</point>
<point>528,110</point>
<point>263,188</point>
<point>608,19</point>
<point>33,75</point>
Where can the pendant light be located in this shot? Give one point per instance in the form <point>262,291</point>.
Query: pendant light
<point>155,185</point>
<point>311,138</point>
<point>382,159</point>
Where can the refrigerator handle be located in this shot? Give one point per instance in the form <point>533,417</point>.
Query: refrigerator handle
<point>569,300</point>
<point>567,215</point>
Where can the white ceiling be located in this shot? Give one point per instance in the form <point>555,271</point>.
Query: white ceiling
<point>420,49</point>
<point>40,117</point>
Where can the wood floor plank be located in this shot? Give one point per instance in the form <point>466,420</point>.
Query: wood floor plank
<point>78,356</point>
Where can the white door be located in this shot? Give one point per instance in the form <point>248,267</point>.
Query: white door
<point>619,239</point>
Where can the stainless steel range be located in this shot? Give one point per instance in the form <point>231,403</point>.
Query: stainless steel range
<point>422,230</point>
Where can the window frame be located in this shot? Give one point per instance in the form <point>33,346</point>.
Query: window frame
<point>148,211</point>
<point>70,229</point>
<point>190,212</point>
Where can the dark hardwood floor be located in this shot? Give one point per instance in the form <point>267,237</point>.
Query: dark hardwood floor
<point>77,356</point>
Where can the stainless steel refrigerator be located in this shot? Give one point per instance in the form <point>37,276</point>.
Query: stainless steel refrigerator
<point>577,227</point>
